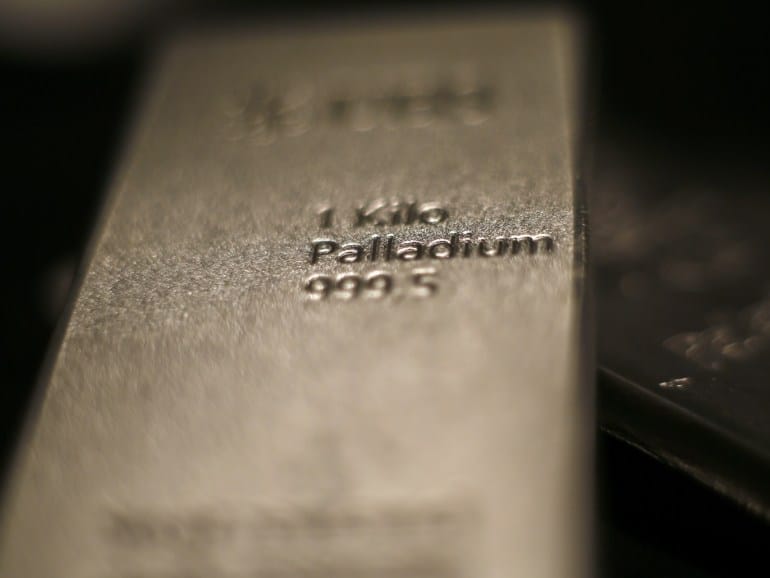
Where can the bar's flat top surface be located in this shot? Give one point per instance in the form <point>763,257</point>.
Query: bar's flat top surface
<point>227,403</point>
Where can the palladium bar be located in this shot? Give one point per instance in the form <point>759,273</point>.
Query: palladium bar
<point>332,321</point>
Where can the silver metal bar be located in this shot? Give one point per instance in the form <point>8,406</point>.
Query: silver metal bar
<point>332,321</point>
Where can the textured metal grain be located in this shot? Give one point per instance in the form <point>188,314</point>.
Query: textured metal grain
<point>214,411</point>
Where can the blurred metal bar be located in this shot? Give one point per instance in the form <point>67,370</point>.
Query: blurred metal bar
<point>681,252</point>
<point>332,321</point>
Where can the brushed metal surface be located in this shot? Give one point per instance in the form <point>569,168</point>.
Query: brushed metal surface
<point>211,414</point>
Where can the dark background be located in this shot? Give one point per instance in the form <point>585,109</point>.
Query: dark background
<point>689,76</point>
